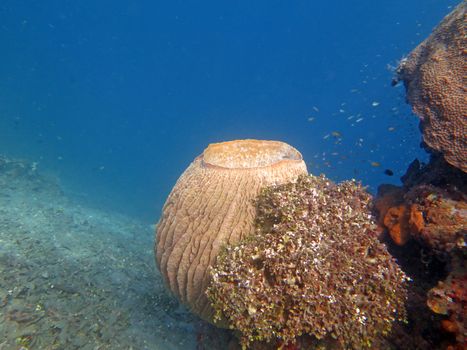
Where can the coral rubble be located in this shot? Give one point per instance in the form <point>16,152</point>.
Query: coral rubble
<point>314,267</point>
<point>76,277</point>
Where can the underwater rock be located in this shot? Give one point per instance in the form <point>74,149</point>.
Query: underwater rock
<point>313,267</point>
<point>211,205</point>
<point>434,76</point>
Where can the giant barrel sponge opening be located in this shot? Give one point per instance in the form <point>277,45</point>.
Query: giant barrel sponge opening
<point>212,205</point>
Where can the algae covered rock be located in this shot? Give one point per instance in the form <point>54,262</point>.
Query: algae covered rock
<point>314,266</point>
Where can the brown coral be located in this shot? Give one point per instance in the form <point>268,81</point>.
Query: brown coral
<point>210,205</point>
<point>435,78</point>
<point>313,267</point>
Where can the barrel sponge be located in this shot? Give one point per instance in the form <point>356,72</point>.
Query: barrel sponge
<point>434,75</point>
<point>212,205</point>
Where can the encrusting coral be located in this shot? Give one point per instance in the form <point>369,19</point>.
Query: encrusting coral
<point>314,266</point>
<point>211,205</point>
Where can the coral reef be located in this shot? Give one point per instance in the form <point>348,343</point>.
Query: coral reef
<point>435,216</point>
<point>449,298</point>
<point>434,76</point>
<point>314,267</point>
<point>430,210</point>
<point>426,218</point>
<point>210,205</point>
<point>431,205</point>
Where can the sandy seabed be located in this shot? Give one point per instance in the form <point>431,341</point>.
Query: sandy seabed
<point>76,277</point>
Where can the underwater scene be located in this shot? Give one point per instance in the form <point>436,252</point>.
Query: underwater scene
<point>233,175</point>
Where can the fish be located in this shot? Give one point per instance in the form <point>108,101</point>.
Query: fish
<point>375,164</point>
<point>336,134</point>
<point>388,172</point>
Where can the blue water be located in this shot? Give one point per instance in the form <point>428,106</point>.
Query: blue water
<point>117,97</point>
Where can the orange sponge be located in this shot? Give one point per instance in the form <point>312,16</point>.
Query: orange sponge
<point>397,222</point>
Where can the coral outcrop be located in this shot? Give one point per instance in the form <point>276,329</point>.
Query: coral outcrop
<point>427,216</point>
<point>449,298</point>
<point>433,202</point>
<point>212,205</point>
<point>434,75</point>
<point>434,215</point>
<point>438,217</point>
<point>313,267</point>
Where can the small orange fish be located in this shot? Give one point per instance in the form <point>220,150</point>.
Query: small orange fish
<point>375,164</point>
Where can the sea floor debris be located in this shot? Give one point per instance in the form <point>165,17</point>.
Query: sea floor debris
<point>75,277</point>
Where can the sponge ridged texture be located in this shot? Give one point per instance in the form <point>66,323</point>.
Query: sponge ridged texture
<point>212,205</point>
